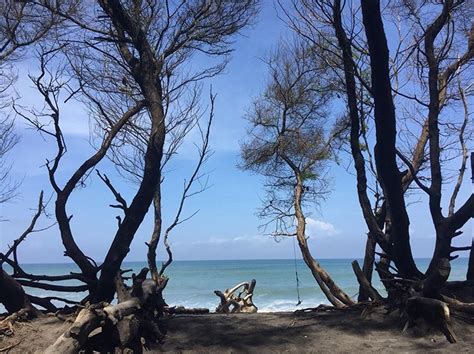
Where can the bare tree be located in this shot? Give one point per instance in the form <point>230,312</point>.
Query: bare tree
<point>152,50</point>
<point>141,89</point>
<point>146,102</point>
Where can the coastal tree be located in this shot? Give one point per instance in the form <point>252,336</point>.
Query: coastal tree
<point>350,51</point>
<point>139,86</point>
<point>429,71</point>
<point>152,50</point>
<point>151,67</point>
<point>289,145</point>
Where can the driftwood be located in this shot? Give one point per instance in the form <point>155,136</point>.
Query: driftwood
<point>7,324</point>
<point>241,302</point>
<point>129,324</point>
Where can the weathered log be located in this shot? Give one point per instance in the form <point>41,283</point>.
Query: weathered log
<point>128,330</point>
<point>76,336</point>
<point>435,312</point>
<point>123,309</point>
<point>365,284</point>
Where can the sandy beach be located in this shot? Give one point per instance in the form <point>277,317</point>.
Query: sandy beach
<point>322,331</point>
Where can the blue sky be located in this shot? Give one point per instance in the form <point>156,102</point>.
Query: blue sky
<point>226,226</point>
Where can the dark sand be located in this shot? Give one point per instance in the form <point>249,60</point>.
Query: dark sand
<point>273,332</point>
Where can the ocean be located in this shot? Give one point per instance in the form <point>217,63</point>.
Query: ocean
<point>192,283</point>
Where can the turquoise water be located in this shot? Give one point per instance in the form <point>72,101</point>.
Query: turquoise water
<point>192,283</point>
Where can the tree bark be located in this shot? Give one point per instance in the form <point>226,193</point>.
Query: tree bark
<point>434,312</point>
<point>368,266</point>
<point>359,161</point>
<point>365,283</point>
<point>145,71</point>
<point>334,294</point>
<point>385,148</point>
<point>122,325</point>
<point>470,266</point>
<point>369,258</point>
<point>435,281</point>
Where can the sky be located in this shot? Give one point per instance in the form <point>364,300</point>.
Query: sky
<point>226,225</point>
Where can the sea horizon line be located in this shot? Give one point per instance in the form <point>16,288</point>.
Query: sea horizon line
<point>229,260</point>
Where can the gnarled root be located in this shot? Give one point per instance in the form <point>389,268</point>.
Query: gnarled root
<point>435,312</point>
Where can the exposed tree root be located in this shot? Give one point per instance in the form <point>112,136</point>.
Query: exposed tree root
<point>434,312</point>
<point>131,324</point>
<point>459,305</point>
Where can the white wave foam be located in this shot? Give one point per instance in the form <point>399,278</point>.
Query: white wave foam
<point>277,305</point>
<point>282,305</point>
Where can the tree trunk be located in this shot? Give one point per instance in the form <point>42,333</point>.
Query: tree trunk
<point>470,266</point>
<point>435,280</point>
<point>120,327</point>
<point>434,312</point>
<point>371,244</point>
<point>385,150</point>
<point>145,72</point>
<point>365,284</point>
<point>334,294</point>
<point>368,267</point>
<point>12,295</point>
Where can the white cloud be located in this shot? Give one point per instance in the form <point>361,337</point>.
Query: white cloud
<point>317,228</point>
<point>214,241</point>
